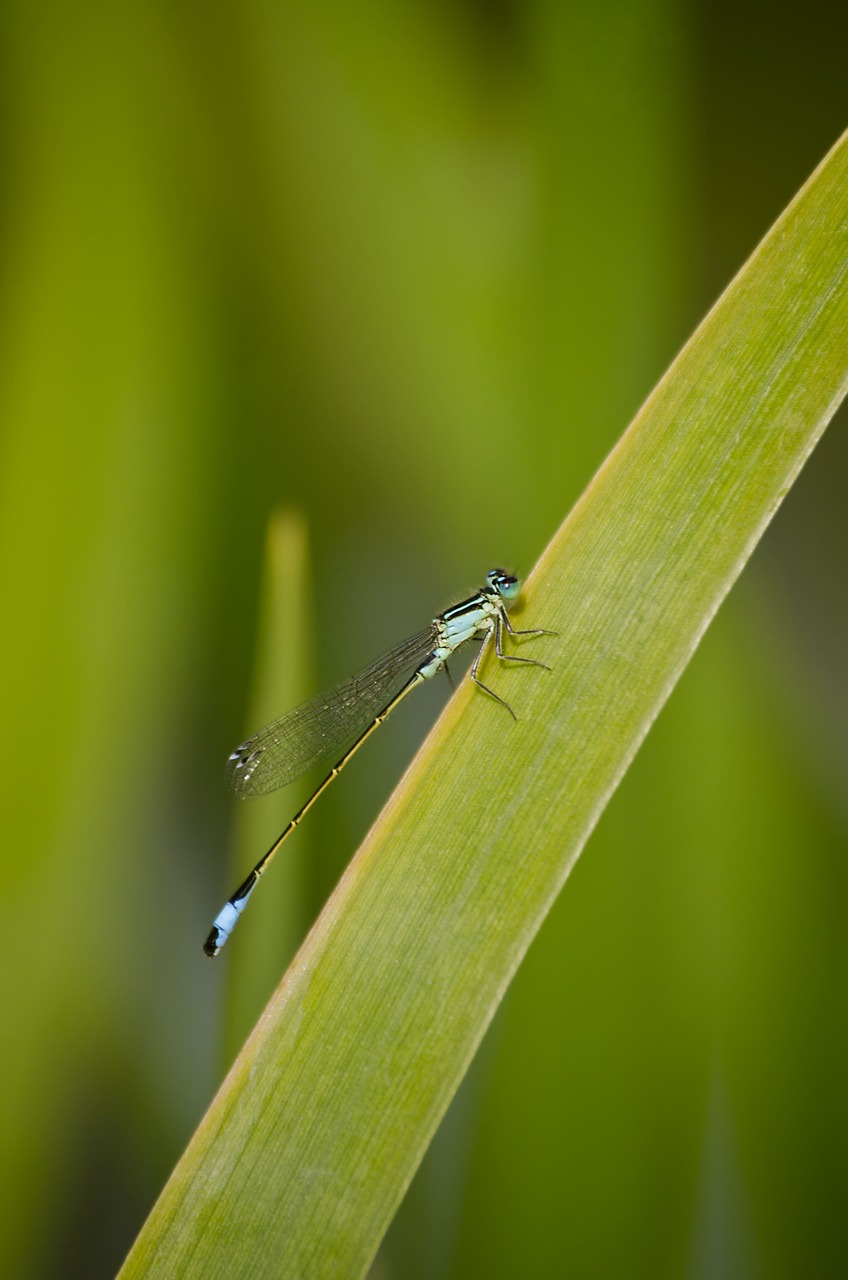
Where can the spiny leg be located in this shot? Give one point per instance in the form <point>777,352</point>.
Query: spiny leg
<point>474,666</point>
<point>511,657</point>
<point>537,631</point>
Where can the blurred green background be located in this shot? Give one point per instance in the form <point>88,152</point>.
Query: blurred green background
<point>405,270</point>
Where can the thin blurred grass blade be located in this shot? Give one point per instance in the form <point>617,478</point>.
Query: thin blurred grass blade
<point>282,678</point>
<point>306,1151</point>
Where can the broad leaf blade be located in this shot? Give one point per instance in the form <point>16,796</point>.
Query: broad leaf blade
<point>308,1147</point>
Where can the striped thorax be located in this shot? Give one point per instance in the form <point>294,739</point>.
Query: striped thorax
<point>474,618</point>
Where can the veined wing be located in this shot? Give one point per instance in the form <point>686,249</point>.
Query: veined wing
<point>327,725</point>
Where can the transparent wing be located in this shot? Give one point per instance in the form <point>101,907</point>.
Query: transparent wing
<point>325,726</point>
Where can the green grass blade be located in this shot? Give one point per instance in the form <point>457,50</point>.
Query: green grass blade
<point>279,681</point>
<point>308,1147</point>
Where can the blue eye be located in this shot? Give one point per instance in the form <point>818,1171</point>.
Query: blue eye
<point>505,584</point>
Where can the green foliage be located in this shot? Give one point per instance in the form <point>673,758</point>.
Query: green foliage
<point>406,269</point>
<point>315,1134</point>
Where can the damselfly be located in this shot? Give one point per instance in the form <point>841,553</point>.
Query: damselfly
<point>339,721</point>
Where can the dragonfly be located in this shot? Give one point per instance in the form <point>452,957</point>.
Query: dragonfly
<point>338,721</point>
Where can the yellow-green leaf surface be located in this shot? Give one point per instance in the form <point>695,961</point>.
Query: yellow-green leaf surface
<point>309,1145</point>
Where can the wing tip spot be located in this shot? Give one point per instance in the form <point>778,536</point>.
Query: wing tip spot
<point>244,764</point>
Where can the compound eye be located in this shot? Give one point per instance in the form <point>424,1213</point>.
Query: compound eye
<point>509,588</point>
<point>506,585</point>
